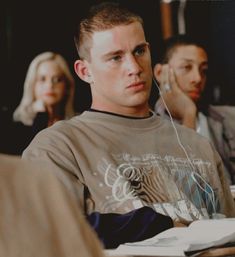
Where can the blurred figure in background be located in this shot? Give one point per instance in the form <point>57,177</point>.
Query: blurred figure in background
<point>48,88</point>
<point>182,77</point>
<point>48,97</point>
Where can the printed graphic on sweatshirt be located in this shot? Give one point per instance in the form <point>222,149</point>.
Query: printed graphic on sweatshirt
<point>170,185</point>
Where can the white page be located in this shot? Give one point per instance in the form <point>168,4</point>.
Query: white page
<point>173,242</point>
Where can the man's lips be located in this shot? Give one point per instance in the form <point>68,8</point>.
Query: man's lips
<point>195,94</point>
<point>137,85</point>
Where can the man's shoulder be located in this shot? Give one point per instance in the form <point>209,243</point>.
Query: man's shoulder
<point>221,112</point>
<point>63,125</point>
<point>190,135</point>
<point>222,117</point>
<point>62,130</point>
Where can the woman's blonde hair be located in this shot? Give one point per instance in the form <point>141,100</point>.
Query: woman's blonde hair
<point>25,112</point>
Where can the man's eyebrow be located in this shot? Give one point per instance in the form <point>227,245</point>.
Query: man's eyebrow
<point>191,60</point>
<point>142,45</point>
<point>112,53</point>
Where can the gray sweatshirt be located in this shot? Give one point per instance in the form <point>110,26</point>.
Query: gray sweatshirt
<point>116,164</point>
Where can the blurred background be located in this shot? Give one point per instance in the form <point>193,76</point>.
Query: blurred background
<point>29,28</point>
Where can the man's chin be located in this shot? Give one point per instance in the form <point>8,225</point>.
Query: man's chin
<point>195,97</point>
<point>140,101</point>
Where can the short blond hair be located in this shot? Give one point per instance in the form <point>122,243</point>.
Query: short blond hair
<point>101,17</point>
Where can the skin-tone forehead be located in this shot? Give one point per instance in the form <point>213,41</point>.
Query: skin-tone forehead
<point>49,66</point>
<point>191,53</point>
<point>106,42</point>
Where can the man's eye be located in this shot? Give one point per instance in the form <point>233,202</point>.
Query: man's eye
<point>186,67</point>
<point>116,58</point>
<point>204,71</point>
<point>140,51</point>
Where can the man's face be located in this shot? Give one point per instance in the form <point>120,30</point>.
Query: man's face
<point>190,66</point>
<point>120,67</point>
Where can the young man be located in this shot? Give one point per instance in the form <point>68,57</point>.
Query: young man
<point>182,78</point>
<point>118,158</point>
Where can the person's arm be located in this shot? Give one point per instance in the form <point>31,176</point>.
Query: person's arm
<point>114,229</point>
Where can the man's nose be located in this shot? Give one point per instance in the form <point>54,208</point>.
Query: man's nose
<point>133,66</point>
<point>196,76</point>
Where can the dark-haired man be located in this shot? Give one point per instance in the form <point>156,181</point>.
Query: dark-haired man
<point>182,77</point>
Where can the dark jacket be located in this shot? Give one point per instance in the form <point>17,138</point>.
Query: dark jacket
<point>114,229</point>
<point>15,136</point>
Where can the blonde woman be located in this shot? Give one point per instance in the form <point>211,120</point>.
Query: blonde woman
<point>49,87</point>
<point>48,96</point>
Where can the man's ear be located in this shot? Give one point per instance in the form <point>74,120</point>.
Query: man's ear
<point>81,67</point>
<point>157,70</point>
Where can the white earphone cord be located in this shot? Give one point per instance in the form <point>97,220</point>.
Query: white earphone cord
<point>210,195</point>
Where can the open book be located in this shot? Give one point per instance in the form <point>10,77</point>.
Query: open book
<point>181,241</point>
